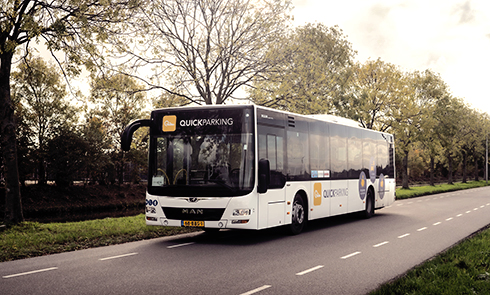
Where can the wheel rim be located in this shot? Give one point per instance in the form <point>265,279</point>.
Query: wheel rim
<point>298,213</point>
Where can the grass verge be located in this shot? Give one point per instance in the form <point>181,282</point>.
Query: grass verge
<point>30,239</point>
<point>418,191</point>
<point>463,269</point>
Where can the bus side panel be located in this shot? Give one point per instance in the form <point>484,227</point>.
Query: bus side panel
<point>339,195</point>
<point>356,203</point>
<point>319,202</point>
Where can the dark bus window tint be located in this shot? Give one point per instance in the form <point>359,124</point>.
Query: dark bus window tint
<point>319,155</point>
<point>391,150</point>
<point>354,153</point>
<point>368,151</point>
<point>383,156</point>
<point>338,151</point>
<point>297,154</point>
<point>272,151</point>
<point>271,147</point>
<point>262,146</point>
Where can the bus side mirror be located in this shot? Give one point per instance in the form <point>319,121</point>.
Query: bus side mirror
<point>127,135</point>
<point>264,176</point>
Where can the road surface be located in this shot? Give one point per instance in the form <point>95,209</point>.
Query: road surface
<point>339,255</point>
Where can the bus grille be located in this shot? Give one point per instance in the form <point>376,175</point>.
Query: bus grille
<point>200,214</point>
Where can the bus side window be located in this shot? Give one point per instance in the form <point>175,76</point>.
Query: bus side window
<point>298,158</point>
<point>271,147</point>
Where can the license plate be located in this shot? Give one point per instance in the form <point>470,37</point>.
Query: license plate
<point>192,223</point>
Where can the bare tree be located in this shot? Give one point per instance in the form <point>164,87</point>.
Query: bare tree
<point>204,51</point>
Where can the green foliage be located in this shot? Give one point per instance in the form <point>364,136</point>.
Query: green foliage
<point>67,157</point>
<point>313,72</point>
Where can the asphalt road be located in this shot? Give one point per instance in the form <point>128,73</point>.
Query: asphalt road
<point>340,255</point>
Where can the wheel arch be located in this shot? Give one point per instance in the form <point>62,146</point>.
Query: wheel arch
<point>306,203</point>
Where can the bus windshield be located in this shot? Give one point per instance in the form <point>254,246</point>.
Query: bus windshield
<point>202,165</point>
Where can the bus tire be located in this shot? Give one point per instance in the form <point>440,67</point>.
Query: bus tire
<point>369,210</point>
<point>298,219</point>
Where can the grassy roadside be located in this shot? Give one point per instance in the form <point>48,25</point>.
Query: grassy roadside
<point>418,191</point>
<point>31,239</point>
<point>463,269</point>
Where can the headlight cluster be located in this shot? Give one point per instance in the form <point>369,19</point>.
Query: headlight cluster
<point>242,212</point>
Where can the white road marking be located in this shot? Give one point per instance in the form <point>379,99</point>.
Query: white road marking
<point>421,229</point>
<point>350,255</point>
<point>450,218</point>
<point>118,256</point>
<point>402,236</point>
<point>309,270</point>
<point>482,206</point>
<point>469,211</point>
<point>475,209</point>
<point>257,290</point>
<point>29,272</point>
<point>459,215</point>
<point>180,245</point>
<point>380,244</point>
<point>437,223</point>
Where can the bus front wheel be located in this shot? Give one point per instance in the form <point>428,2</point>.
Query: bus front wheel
<point>298,220</point>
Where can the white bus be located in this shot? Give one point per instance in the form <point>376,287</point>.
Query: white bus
<point>250,167</point>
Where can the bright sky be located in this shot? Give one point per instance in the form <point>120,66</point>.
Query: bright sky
<point>448,36</point>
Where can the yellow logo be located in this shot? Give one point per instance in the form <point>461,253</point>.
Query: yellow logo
<point>317,194</point>
<point>169,123</point>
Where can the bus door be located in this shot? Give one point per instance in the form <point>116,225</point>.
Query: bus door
<point>272,204</point>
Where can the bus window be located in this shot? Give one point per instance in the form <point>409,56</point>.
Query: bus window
<point>297,155</point>
<point>354,153</point>
<point>271,147</point>
<point>338,151</point>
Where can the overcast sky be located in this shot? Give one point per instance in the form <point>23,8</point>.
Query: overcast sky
<point>448,36</point>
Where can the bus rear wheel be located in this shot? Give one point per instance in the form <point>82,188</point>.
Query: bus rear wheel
<point>369,210</point>
<point>298,216</point>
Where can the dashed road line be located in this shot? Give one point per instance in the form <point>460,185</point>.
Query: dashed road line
<point>309,270</point>
<point>257,290</point>
<point>380,244</point>
<point>180,245</point>
<point>437,223</point>
<point>459,215</point>
<point>350,255</point>
<point>421,229</point>
<point>29,272</point>
<point>403,236</point>
<point>448,219</point>
<point>118,256</point>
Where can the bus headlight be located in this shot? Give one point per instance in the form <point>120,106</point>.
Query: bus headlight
<point>241,212</point>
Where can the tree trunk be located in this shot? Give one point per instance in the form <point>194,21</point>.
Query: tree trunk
<point>405,171</point>
<point>450,167</point>
<point>465,160</point>
<point>13,204</point>
<point>432,170</point>
<point>475,159</point>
